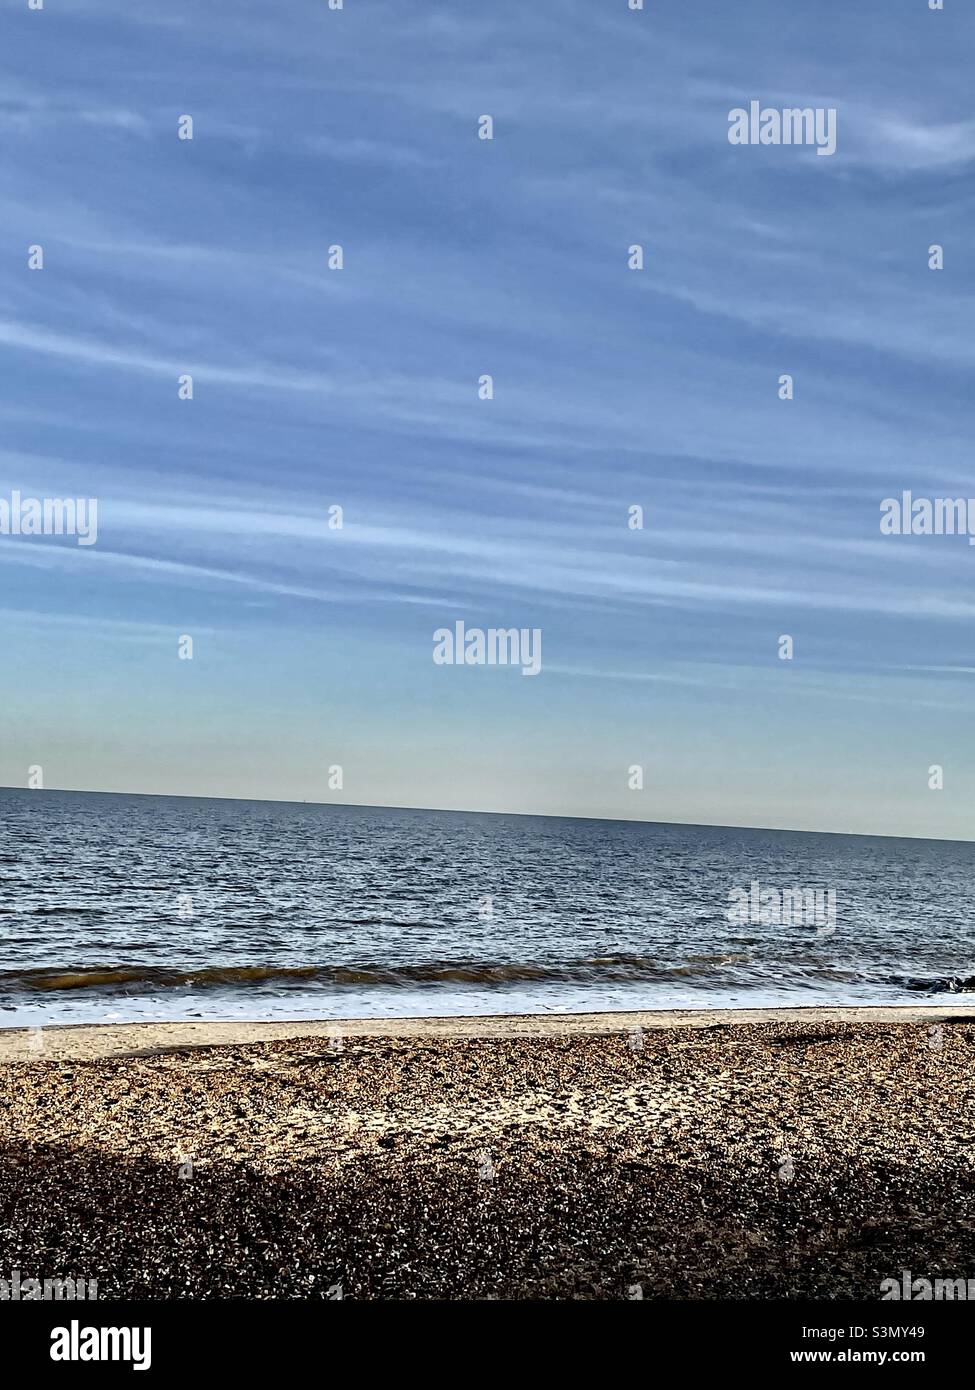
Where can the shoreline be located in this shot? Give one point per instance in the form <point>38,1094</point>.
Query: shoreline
<point>104,1041</point>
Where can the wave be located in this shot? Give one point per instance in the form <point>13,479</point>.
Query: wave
<point>598,968</point>
<point>941,984</point>
<point>146,979</point>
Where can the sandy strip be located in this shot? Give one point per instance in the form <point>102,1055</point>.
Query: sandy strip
<point>96,1041</point>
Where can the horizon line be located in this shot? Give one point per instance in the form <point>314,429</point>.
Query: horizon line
<point>466,811</point>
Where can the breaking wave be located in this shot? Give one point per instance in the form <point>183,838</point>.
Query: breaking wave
<point>151,977</point>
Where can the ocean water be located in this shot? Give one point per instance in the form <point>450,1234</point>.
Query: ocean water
<point>141,907</point>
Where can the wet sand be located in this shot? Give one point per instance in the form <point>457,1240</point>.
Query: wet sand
<point>806,1153</point>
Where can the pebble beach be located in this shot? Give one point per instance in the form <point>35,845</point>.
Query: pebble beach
<point>809,1154</point>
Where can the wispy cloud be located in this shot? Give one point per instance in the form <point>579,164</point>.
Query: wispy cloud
<point>466,259</point>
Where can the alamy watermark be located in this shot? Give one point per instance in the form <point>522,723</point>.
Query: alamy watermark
<point>785,907</point>
<point>792,125</point>
<point>926,1290</point>
<point>494,646</point>
<point>49,516</point>
<point>908,515</point>
<point>77,1343</point>
<point>19,1290</point>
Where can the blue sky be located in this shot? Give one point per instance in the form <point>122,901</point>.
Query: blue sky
<point>613,387</point>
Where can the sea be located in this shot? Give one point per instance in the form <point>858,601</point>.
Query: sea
<point>139,908</point>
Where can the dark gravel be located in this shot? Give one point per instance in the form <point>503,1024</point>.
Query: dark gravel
<point>774,1160</point>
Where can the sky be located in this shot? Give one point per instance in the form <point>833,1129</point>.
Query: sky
<point>316,388</point>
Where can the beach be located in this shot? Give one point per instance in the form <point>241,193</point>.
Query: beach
<point>804,1153</point>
